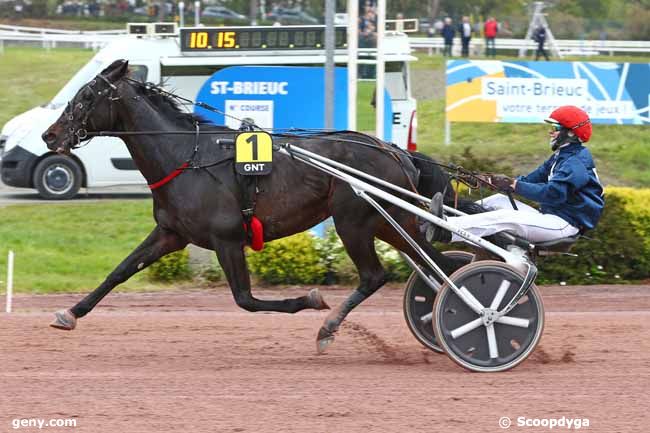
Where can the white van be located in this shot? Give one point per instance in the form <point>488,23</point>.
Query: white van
<point>26,161</point>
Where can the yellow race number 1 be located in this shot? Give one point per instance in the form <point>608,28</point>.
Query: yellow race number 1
<point>253,153</point>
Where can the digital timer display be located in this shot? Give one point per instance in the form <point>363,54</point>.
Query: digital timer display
<point>206,39</point>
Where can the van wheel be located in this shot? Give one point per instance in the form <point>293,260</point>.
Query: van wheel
<point>57,177</point>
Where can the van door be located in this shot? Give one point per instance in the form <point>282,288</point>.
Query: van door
<point>398,87</point>
<point>106,159</point>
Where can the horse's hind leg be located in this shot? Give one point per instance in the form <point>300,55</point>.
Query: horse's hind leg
<point>160,242</point>
<point>233,262</point>
<point>357,235</point>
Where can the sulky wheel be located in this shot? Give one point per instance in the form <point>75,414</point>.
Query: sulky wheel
<point>418,304</point>
<point>464,334</point>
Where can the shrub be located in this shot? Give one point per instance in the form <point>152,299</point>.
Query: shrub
<point>342,269</point>
<point>291,260</point>
<point>172,267</point>
<point>619,248</point>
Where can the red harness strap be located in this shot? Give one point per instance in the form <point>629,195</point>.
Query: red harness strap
<point>257,243</point>
<point>169,177</point>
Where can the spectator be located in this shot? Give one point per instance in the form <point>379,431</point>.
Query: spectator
<point>437,26</point>
<point>465,30</point>
<point>448,33</point>
<point>490,30</point>
<point>540,38</point>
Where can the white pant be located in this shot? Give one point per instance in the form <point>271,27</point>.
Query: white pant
<point>526,222</point>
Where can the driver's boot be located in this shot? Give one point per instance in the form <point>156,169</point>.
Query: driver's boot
<point>432,232</point>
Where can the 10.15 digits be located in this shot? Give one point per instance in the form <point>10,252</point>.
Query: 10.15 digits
<point>201,40</point>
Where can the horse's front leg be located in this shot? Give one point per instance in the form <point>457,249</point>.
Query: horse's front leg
<point>160,242</point>
<point>233,262</point>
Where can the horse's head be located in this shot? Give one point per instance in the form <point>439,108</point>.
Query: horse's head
<point>90,110</point>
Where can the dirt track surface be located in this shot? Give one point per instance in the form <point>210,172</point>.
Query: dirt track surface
<point>194,362</point>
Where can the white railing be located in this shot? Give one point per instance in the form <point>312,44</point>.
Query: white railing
<point>566,46</point>
<point>97,39</point>
<point>49,41</point>
<point>40,30</point>
<point>49,38</point>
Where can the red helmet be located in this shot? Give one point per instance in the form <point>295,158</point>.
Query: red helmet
<point>574,119</point>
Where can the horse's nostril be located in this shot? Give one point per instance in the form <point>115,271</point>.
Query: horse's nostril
<point>48,137</point>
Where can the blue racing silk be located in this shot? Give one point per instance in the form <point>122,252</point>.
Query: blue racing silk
<point>566,185</point>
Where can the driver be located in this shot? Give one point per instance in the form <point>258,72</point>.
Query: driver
<point>566,186</point>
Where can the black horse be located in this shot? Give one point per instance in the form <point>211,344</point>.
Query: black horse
<point>204,206</point>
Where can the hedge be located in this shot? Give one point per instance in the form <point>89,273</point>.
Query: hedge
<point>617,250</point>
<point>172,267</point>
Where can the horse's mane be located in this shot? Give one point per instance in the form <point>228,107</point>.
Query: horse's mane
<point>169,105</point>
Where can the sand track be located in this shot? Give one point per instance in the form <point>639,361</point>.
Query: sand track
<point>194,362</point>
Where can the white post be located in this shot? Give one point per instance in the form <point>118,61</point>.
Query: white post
<point>10,280</point>
<point>379,93</point>
<point>197,13</point>
<point>181,14</point>
<point>353,48</point>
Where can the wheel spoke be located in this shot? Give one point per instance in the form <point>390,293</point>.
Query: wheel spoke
<point>464,329</point>
<point>501,292</point>
<point>514,321</point>
<point>492,341</point>
<point>470,300</point>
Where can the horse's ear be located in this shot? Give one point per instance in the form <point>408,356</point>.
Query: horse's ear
<point>116,70</point>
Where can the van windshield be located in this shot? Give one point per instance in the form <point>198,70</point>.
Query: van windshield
<point>83,76</point>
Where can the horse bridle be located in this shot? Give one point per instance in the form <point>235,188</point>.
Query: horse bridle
<point>81,133</point>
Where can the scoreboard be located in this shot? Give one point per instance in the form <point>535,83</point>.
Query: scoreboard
<point>282,38</point>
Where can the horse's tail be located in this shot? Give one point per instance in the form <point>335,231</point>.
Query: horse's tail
<point>434,179</point>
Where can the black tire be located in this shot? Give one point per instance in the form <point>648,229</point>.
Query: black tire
<point>469,348</point>
<point>418,303</point>
<point>57,177</point>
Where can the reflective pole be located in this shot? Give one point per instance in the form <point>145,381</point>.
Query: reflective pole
<point>379,89</point>
<point>353,48</point>
<point>197,13</point>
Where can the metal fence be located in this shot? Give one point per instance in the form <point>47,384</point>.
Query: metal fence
<point>52,38</point>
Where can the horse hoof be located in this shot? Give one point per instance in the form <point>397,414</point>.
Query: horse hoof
<point>324,339</point>
<point>322,344</point>
<point>317,301</point>
<point>64,320</point>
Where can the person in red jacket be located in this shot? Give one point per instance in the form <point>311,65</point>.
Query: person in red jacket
<point>490,30</point>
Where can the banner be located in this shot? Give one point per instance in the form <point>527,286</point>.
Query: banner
<point>278,97</point>
<point>513,91</point>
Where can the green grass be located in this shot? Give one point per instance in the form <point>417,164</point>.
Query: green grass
<point>71,247</point>
<point>622,153</point>
<point>32,76</point>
